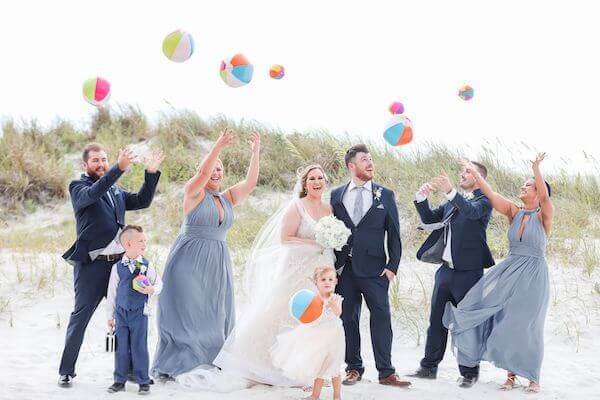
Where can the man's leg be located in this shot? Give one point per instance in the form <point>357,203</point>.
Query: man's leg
<point>375,291</point>
<point>351,318</point>
<point>462,282</point>
<point>437,334</point>
<point>90,282</point>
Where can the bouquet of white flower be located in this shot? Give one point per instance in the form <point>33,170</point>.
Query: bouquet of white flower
<point>331,233</point>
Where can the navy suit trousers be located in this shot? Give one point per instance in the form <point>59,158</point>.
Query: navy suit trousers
<point>91,284</point>
<point>375,292</point>
<point>450,285</point>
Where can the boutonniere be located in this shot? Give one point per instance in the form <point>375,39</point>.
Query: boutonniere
<point>116,190</point>
<point>377,194</point>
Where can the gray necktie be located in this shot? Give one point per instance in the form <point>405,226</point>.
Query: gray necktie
<point>357,213</point>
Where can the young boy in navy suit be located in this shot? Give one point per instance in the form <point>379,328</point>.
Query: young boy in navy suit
<point>127,309</point>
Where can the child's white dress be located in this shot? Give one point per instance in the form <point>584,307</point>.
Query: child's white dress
<point>310,351</point>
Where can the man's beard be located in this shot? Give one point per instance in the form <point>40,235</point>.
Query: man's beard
<point>92,174</point>
<point>363,176</point>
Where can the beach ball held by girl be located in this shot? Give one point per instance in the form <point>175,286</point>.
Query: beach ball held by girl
<point>398,130</point>
<point>96,91</point>
<point>178,46</point>
<point>306,306</point>
<point>237,71</point>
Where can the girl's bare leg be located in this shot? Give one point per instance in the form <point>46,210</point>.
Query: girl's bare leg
<point>336,382</point>
<point>316,390</point>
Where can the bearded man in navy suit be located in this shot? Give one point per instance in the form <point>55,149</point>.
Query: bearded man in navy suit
<point>99,207</point>
<point>369,210</point>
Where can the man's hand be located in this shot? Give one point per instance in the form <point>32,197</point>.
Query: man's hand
<point>442,182</point>
<point>125,159</point>
<point>111,323</point>
<point>389,274</point>
<point>426,189</point>
<point>153,161</point>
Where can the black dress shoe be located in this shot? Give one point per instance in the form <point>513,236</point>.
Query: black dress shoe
<point>466,382</point>
<point>65,381</point>
<point>116,387</point>
<point>424,373</point>
<point>144,389</point>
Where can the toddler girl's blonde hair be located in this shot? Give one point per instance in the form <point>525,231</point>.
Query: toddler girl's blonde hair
<point>323,270</point>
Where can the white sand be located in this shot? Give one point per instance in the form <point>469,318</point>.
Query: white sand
<point>30,349</point>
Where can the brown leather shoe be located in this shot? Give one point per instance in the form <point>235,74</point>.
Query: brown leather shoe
<point>393,380</point>
<point>352,377</point>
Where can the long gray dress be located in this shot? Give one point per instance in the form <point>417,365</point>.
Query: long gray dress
<point>501,319</point>
<point>196,307</point>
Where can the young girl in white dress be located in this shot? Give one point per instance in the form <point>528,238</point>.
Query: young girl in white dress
<point>315,351</point>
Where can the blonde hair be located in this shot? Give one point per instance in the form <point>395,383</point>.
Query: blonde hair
<point>303,177</point>
<point>319,271</point>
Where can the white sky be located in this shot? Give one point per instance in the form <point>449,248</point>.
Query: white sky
<point>534,65</point>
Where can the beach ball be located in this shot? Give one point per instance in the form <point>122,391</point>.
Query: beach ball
<point>398,130</point>
<point>237,71</point>
<point>465,92</point>
<point>178,46</point>
<point>96,91</point>
<point>396,108</point>
<point>277,71</point>
<point>306,306</point>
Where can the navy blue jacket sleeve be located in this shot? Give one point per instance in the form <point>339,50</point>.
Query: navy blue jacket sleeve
<point>83,195</point>
<point>472,209</point>
<point>429,216</point>
<point>143,198</point>
<point>394,243</point>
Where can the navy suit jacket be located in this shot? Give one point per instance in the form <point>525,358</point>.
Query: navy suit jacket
<point>468,224</point>
<point>97,220</point>
<point>369,237</point>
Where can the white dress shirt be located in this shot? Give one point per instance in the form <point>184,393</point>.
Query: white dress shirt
<point>350,197</point>
<point>113,284</point>
<point>447,255</point>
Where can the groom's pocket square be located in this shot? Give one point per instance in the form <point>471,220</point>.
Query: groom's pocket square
<point>380,207</point>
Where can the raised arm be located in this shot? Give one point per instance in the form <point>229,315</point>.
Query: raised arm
<point>240,191</point>
<point>499,202</point>
<point>195,186</point>
<point>540,186</point>
<point>83,195</point>
<point>289,227</point>
<point>428,216</point>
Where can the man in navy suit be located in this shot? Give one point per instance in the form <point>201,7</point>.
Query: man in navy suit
<point>369,211</point>
<point>461,241</point>
<point>99,207</point>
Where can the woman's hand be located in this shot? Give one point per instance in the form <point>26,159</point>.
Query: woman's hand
<point>538,159</point>
<point>225,138</point>
<point>255,142</point>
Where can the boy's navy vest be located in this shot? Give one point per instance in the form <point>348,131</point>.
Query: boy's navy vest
<point>127,297</point>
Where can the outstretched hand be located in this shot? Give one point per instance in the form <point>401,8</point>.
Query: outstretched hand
<point>442,182</point>
<point>538,159</point>
<point>153,161</point>
<point>225,138</point>
<point>255,142</point>
<point>126,158</point>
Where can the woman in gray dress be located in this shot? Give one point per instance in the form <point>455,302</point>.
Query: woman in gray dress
<point>196,308</point>
<point>501,319</point>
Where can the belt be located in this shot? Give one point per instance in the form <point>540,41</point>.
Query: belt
<point>110,257</point>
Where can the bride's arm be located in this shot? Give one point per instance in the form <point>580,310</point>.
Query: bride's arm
<point>289,227</point>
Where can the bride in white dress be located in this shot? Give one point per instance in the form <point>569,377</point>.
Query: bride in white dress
<point>282,261</point>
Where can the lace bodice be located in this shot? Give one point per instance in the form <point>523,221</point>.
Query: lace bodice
<point>306,230</point>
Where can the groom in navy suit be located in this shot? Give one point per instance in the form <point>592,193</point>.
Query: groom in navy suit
<point>369,211</point>
<point>99,207</point>
<point>459,244</point>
